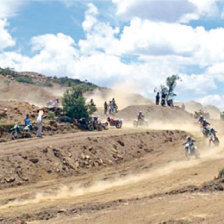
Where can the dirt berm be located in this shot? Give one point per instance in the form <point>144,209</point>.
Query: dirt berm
<point>155,113</point>
<point>30,161</point>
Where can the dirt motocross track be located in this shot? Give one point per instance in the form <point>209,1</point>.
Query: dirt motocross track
<point>116,176</point>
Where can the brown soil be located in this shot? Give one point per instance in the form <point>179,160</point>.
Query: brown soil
<point>115,176</point>
<point>118,176</point>
<point>29,161</point>
<point>12,112</point>
<point>38,95</point>
<point>155,113</point>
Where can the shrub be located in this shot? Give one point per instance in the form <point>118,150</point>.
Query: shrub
<point>51,115</point>
<point>74,104</point>
<point>25,79</point>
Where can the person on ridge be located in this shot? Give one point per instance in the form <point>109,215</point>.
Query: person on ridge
<point>105,108</point>
<point>140,116</point>
<point>39,124</point>
<point>157,98</point>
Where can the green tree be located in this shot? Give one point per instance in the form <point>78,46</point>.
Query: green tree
<point>171,83</point>
<point>74,104</point>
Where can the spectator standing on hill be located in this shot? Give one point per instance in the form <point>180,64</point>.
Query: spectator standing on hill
<point>105,108</point>
<point>115,107</point>
<point>111,107</point>
<point>157,98</point>
<point>163,100</point>
<point>39,124</point>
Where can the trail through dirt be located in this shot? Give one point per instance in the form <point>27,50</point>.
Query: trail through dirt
<point>139,169</point>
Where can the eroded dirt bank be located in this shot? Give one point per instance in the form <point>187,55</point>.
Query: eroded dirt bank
<point>29,161</point>
<point>125,176</point>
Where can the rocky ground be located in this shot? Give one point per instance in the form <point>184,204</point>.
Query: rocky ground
<point>125,176</point>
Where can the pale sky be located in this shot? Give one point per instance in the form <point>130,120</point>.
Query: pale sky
<point>137,43</point>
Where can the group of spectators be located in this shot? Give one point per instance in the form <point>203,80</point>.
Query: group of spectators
<point>53,103</point>
<point>28,123</point>
<point>111,107</point>
<point>164,99</point>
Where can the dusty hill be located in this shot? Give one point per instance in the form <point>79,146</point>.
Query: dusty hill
<point>38,89</point>
<point>193,106</point>
<point>155,113</point>
<point>35,88</point>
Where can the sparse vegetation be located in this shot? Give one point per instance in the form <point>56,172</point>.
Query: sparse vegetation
<point>8,71</point>
<point>47,81</point>
<point>171,83</point>
<point>25,79</point>
<point>68,82</point>
<point>51,115</point>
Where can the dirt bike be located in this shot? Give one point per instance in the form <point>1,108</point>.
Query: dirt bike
<point>90,124</point>
<point>18,132</point>
<point>205,131</point>
<point>102,126</point>
<point>138,123</point>
<point>190,151</point>
<point>84,124</point>
<point>213,139</point>
<point>115,123</point>
<point>98,125</point>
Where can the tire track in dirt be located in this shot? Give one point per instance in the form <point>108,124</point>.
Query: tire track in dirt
<point>100,186</point>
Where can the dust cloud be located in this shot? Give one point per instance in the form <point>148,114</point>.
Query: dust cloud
<point>160,125</point>
<point>125,95</point>
<point>78,190</point>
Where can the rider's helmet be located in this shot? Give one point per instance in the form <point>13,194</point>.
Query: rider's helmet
<point>188,138</point>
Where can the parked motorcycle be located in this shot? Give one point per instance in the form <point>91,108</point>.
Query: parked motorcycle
<point>115,123</point>
<point>18,132</point>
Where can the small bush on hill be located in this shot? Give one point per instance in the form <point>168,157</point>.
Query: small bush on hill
<point>25,79</point>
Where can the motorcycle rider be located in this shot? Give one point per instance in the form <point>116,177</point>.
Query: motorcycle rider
<point>201,118</point>
<point>140,116</point>
<point>189,141</point>
<point>189,145</point>
<point>204,123</point>
<point>212,135</point>
<point>204,127</point>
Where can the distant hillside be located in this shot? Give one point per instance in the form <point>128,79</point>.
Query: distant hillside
<point>41,80</point>
<point>36,88</point>
<point>193,106</point>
